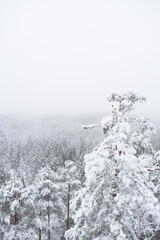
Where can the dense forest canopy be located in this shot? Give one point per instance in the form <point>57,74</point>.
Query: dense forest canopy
<point>42,167</point>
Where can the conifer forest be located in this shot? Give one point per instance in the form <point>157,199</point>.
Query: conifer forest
<point>81,176</point>
<point>79,120</point>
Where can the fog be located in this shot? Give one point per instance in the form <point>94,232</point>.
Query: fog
<point>68,56</point>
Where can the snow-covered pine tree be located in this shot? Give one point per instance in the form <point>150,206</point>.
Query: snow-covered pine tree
<point>16,208</point>
<point>49,205</point>
<point>70,183</point>
<point>118,201</point>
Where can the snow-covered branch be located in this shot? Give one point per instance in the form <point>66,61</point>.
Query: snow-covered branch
<point>154,169</point>
<point>90,126</point>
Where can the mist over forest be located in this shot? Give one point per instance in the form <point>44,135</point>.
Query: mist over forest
<point>68,169</point>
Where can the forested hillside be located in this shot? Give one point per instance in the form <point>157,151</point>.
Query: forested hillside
<point>33,149</point>
<point>41,169</point>
<point>31,142</point>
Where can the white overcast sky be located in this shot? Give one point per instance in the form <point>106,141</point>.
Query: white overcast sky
<point>68,56</point>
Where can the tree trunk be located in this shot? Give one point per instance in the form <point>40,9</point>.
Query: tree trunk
<point>40,234</point>
<point>16,218</point>
<point>142,237</point>
<point>40,230</point>
<point>49,237</point>
<point>68,209</point>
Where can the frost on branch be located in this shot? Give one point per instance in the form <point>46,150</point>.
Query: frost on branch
<point>141,138</point>
<point>90,126</point>
<point>125,101</point>
<point>120,105</point>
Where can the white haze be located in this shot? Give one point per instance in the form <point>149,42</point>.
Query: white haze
<point>68,56</point>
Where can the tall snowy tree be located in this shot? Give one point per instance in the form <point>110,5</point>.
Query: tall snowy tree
<point>70,183</point>
<point>117,201</point>
<point>16,208</point>
<point>48,204</point>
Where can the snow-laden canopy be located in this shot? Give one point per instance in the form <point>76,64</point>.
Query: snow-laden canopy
<point>118,200</point>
